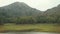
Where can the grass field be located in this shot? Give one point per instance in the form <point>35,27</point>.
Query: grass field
<point>30,27</point>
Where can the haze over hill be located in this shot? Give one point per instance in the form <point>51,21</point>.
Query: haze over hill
<point>41,5</point>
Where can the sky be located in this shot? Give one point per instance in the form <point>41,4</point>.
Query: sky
<point>41,5</point>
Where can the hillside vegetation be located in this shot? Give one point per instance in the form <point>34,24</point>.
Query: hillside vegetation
<point>21,13</point>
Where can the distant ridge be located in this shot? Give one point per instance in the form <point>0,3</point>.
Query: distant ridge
<point>55,11</point>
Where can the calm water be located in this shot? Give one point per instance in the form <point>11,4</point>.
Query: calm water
<point>29,33</point>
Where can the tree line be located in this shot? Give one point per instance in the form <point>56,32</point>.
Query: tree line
<point>29,20</point>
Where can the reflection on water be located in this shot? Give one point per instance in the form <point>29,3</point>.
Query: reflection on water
<point>29,33</point>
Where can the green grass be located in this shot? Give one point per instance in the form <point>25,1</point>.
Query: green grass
<point>31,27</point>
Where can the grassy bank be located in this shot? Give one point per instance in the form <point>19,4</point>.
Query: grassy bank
<point>31,27</point>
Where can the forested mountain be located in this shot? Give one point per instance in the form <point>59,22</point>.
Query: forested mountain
<point>53,11</point>
<point>16,12</point>
<point>18,9</point>
<point>53,14</point>
<point>21,13</point>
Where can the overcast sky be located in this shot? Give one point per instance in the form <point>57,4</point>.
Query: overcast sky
<point>38,4</point>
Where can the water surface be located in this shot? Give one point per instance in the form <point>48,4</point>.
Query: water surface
<point>29,33</point>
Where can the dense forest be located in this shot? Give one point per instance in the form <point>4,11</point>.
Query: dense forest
<point>21,13</point>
